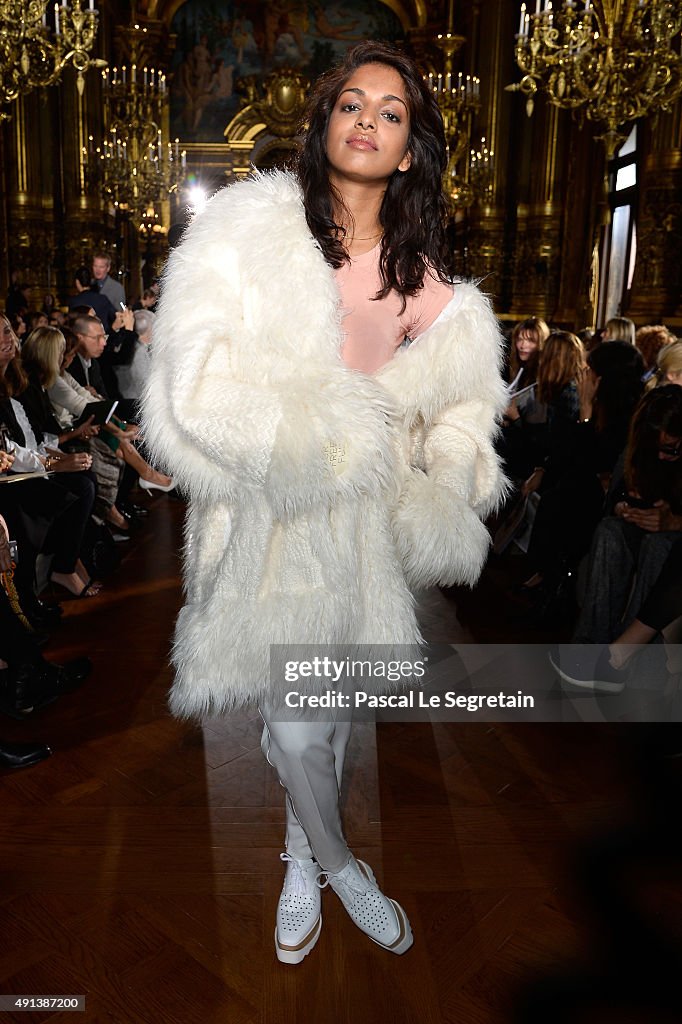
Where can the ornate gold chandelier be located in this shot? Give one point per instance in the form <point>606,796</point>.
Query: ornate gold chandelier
<point>609,60</point>
<point>134,165</point>
<point>38,40</point>
<point>458,98</point>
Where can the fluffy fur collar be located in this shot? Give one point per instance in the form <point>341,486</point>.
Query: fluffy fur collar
<point>235,251</point>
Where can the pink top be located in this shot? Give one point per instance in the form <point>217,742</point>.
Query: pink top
<point>375,330</point>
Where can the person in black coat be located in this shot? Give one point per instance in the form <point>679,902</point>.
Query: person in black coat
<point>92,297</point>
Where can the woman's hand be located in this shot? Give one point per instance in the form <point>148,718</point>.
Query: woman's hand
<point>512,413</point>
<point>89,387</point>
<point>586,383</point>
<point>131,432</point>
<point>658,519</point>
<point>533,482</point>
<point>60,462</point>
<point>86,429</point>
<point>6,461</point>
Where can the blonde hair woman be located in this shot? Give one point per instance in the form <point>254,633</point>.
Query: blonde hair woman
<point>670,364</point>
<point>619,328</point>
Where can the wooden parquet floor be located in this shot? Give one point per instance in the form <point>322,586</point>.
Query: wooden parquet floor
<point>139,865</point>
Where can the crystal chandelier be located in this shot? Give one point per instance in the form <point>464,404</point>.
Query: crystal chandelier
<point>38,40</point>
<point>611,61</point>
<point>458,98</point>
<point>134,165</point>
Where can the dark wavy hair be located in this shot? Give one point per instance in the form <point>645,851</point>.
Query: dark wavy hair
<point>414,209</point>
<point>653,478</point>
<point>620,367</point>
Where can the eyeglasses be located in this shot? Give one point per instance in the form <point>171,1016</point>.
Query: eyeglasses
<point>93,337</point>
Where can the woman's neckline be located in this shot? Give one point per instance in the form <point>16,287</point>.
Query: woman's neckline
<point>368,252</point>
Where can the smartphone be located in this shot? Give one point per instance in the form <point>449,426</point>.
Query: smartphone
<point>634,502</point>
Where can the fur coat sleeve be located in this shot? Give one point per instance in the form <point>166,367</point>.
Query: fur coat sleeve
<point>449,387</point>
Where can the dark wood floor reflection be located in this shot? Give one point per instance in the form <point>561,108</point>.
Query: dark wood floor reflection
<point>140,866</point>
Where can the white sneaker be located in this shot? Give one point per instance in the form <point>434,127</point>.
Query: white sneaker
<point>376,915</point>
<point>299,913</point>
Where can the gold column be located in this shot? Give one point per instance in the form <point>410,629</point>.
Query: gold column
<point>657,285</point>
<point>86,223</point>
<point>30,208</point>
<point>537,248</point>
<point>490,53</point>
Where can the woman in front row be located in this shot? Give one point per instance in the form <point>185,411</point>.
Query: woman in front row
<point>330,415</point>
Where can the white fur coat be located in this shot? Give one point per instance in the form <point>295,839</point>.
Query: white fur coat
<point>319,496</point>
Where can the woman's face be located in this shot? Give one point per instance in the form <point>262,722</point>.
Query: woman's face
<point>526,346</point>
<point>68,358</point>
<point>8,344</point>
<point>672,377</point>
<point>369,127</point>
<point>669,447</point>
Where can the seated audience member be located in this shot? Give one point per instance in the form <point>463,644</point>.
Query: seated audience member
<point>43,358</point>
<point>650,340</point>
<point>561,364</point>
<point>636,539</point>
<point>44,515</point>
<point>148,300</point>
<point>669,360</point>
<point>577,469</point>
<point>34,320</point>
<point>85,295</point>
<point>57,319</point>
<point>527,341</point>
<point>134,374</point>
<point>517,446</point>
<point>619,328</point>
<point>589,338</point>
<point>660,614</point>
<point>18,325</point>
<point>27,681</point>
<point>85,371</point>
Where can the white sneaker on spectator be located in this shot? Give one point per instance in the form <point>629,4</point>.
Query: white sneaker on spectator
<point>299,913</point>
<point>379,917</point>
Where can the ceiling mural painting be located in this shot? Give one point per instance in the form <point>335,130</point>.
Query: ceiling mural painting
<point>220,44</point>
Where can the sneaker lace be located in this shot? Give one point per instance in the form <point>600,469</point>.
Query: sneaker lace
<point>349,885</point>
<point>296,883</point>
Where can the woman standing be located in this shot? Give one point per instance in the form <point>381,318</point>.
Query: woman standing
<point>327,399</point>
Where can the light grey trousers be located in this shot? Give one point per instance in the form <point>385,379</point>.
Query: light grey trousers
<point>308,757</point>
